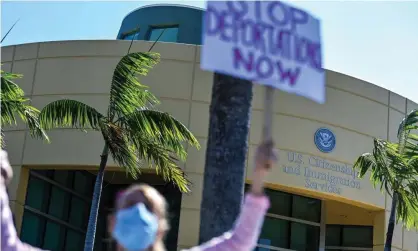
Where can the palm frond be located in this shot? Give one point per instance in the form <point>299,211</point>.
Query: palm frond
<point>160,158</point>
<point>130,153</point>
<point>365,163</point>
<point>121,149</point>
<point>161,127</point>
<point>27,113</point>
<point>407,206</point>
<point>9,89</point>
<point>410,122</point>
<point>126,92</point>
<point>70,113</point>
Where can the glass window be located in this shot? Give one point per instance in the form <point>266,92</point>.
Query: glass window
<point>36,193</point>
<point>58,200</point>
<point>52,236</point>
<point>304,237</point>
<point>276,232</point>
<point>61,177</point>
<point>78,212</point>
<point>130,36</point>
<point>354,236</point>
<point>30,229</point>
<point>333,236</point>
<point>83,184</point>
<point>73,241</point>
<point>349,236</point>
<point>280,202</point>
<point>306,208</point>
<point>163,34</point>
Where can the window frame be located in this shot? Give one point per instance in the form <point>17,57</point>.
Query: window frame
<point>290,220</point>
<point>342,227</point>
<point>128,33</point>
<point>154,27</point>
<point>47,176</point>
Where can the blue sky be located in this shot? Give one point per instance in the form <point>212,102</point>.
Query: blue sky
<point>376,41</point>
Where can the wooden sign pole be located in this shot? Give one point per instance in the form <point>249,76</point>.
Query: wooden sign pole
<point>268,115</point>
<point>268,112</point>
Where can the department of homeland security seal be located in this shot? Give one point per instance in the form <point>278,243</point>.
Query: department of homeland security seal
<point>324,140</point>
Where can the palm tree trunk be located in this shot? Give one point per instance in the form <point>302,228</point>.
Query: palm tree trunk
<point>391,225</point>
<point>94,209</point>
<point>227,147</point>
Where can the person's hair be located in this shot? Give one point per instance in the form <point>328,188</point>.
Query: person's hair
<point>154,202</point>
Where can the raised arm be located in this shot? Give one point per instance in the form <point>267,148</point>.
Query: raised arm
<point>244,236</point>
<point>9,239</point>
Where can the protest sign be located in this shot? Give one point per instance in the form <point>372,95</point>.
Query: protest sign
<point>267,42</point>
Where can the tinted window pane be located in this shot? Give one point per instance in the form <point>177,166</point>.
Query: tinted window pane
<point>306,209</point>
<point>276,232</point>
<point>131,36</point>
<point>280,202</point>
<point>57,204</point>
<point>78,211</point>
<point>333,236</point>
<point>82,183</point>
<point>74,241</point>
<point>357,236</point>
<point>41,172</point>
<point>61,177</point>
<point>167,34</point>
<point>36,193</point>
<point>31,229</point>
<point>304,237</point>
<point>52,236</point>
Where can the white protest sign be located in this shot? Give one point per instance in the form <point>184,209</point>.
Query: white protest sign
<point>267,42</point>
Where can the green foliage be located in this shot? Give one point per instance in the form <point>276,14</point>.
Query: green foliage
<point>135,133</point>
<point>14,105</point>
<point>394,166</point>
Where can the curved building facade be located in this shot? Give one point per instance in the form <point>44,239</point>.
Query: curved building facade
<point>318,203</point>
<point>167,23</point>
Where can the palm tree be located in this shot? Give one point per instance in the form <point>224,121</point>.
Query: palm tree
<point>395,167</point>
<point>227,146</point>
<point>14,104</point>
<point>133,131</point>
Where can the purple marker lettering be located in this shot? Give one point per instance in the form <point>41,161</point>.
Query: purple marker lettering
<point>258,11</point>
<point>247,32</point>
<point>288,74</point>
<point>301,49</point>
<point>267,70</point>
<point>258,38</point>
<point>297,17</point>
<point>228,27</point>
<point>274,9</point>
<point>315,57</point>
<point>239,8</point>
<point>240,60</point>
<point>283,43</point>
<point>212,21</point>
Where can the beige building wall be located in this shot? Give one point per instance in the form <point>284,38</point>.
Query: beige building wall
<point>356,111</point>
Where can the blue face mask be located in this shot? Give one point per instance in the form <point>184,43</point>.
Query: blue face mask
<point>135,228</point>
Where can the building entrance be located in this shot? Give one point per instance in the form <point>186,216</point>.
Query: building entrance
<point>57,207</point>
<point>300,223</point>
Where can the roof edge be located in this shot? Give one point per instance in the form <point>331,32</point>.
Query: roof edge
<point>163,5</point>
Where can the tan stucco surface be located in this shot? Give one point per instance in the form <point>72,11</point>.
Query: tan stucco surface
<point>356,111</point>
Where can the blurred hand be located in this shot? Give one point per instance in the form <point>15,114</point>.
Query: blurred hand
<point>265,159</point>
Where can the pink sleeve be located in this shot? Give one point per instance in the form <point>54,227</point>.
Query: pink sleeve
<point>9,239</point>
<point>247,229</point>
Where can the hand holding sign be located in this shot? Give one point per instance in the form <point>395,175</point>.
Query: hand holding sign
<point>267,42</point>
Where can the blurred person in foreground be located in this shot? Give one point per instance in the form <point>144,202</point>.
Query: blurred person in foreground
<point>140,221</point>
<point>9,239</point>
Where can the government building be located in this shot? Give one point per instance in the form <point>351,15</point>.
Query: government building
<point>318,203</point>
